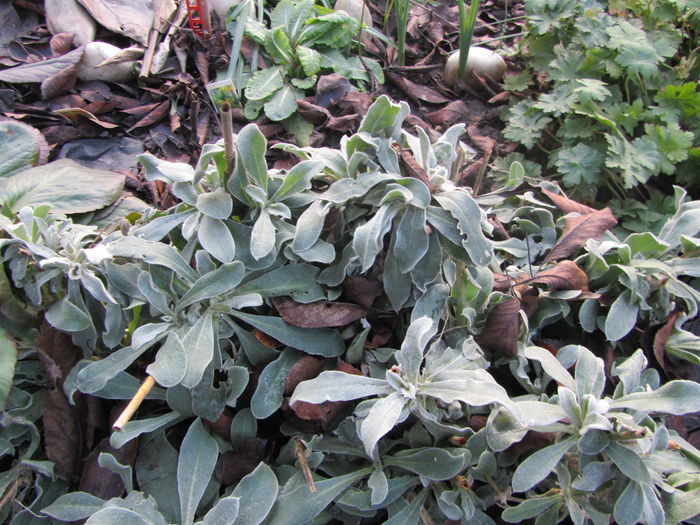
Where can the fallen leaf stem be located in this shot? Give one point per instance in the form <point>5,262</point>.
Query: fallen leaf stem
<point>301,457</point>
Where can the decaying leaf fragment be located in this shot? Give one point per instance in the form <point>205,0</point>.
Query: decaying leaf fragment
<point>319,314</point>
<point>500,334</point>
<point>577,230</point>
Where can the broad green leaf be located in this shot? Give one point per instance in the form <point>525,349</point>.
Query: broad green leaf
<point>48,184</point>
<point>338,386</point>
<point>264,83</point>
<point>283,103</point>
<point>381,418</point>
<point>310,60</point>
<point>216,239</point>
<point>164,170</point>
<point>263,236</point>
<point>216,204</point>
<point>67,317</point>
<point>278,46</point>
<point>74,506</point>
<point>224,512</point>
<point>433,463</point>
<point>199,343</point>
<point>622,317</point>
<point>21,147</point>
<point>317,341</point>
<point>629,507</point>
<point>538,465</point>
<point>257,493</point>
<point>411,513</point>
<point>529,508</point>
<point>411,238</point>
<point>198,455</point>
<point>252,146</point>
<point>289,511</point>
<point>96,375</point>
<point>468,214</point>
<point>152,253</point>
<point>269,393</point>
<point>116,515</point>
<point>219,282</point>
<point>629,462</point>
<point>551,366</point>
<point>292,16</point>
<point>8,360</point>
<point>156,473</point>
<point>368,239</point>
<point>675,397</point>
<point>410,355</point>
<point>135,428</point>
<point>295,280</point>
<point>170,365</point>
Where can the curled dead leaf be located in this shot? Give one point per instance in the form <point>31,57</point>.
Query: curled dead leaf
<point>500,334</point>
<point>565,275</point>
<point>319,314</point>
<point>577,230</point>
<point>568,205</point>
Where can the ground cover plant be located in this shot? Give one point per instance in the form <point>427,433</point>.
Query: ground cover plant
<point>372,332</point>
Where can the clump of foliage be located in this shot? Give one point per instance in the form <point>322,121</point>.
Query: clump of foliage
<point>620,101</point>
<point>299,44</point>
<point>449,401</point>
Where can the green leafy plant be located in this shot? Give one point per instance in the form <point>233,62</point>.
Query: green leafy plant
<point>404,371</point>
<point>617,109</point>
<point>300,44</point>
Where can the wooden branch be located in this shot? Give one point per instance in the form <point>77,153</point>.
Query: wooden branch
<point>140,394</point>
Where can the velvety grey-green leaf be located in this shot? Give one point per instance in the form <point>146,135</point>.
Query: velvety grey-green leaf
<point>55,183</point>
<point>538,465</point>
<point>468,214</point>
<point>252,147</point>
<point>411,238</point>
<point>21,147</point>
<point>621,318</point>
<point>589,374</point>
<point>551,366</point>
<point>333,385</point>
<point>73,506</point>
<point>309,225</point>
<point>198,455</point>
<point>298,179</point>
<point>199,343</point>
<point>379,485</point>
<point>125,472</point>
<point>116,515</point>
<point>216,239</point>
<point>594,475</point>
<point>223,513</point>
<point>474,387</point>
<point>135,428</point>
<point>257,493</point>
<point>369,238</point>
<point>219,282</point>
<point>381,418</point>
<point>8,360</point>
<point>630,505</point>
<point>67,317</point>
<point>156,473</point>
<point>296,280</point>
<point>289,511</point>
<point>269,393</point>
<point>152,253</point>
<point>675,397</point>
<point>262,239</point>
<point>164,170</point>
<point>397,285</point>
<point>170,365</point>
<point>411,513</point>
<point>410,355</point>
<point>96,375</point>
<point>629,462</point>
<point>529,508</point>
<point>216,204</point>
<point>432,463</point>
<point>317,341</point>
<point>384,118</point>
<point>283,103</point>
<point>264,83</point>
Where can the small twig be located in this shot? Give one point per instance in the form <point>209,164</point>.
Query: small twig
<point>304,465</point>
<point>140,394</point>
<point>482,170</point>
<point>227,129</point>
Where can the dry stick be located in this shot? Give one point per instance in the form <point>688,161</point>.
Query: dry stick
<point>482,170</point>
<point>227,129</point>
<point>304,465</point>
<point>142,392</point>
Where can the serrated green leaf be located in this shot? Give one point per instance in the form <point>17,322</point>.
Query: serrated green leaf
<point>278,46</point>
<point>283,103</point>
<point>310,60</point>
<point>264,83</point>
<point>579,164</point>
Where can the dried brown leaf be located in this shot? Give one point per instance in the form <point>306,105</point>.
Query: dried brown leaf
<point>577,230</point>
<point>319,314</point>
<point>416,91</point>
<point>100,481</point>
<point>61,43</point>
<point>361,290</point>
<point>330,89</point>
<point>660,339</point>
<point>154,116</point>
<point>57,353</point>
<point>501,282</point>
<point>59,83</point>
<point>455,111</point>
<point>305,368</point>
<point>568,205</point>
<point>61,434</point>
<point>74,113</point>
<point>566,275</point>
<point>481,141</point>
<point>235,464</point>
<point>502,328</point>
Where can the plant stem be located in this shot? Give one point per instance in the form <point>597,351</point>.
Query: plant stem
<point>467,20</point>
<point>301,458</point>
<point>401,15</point>
<point>140,394</point>
<point>227,130</point>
